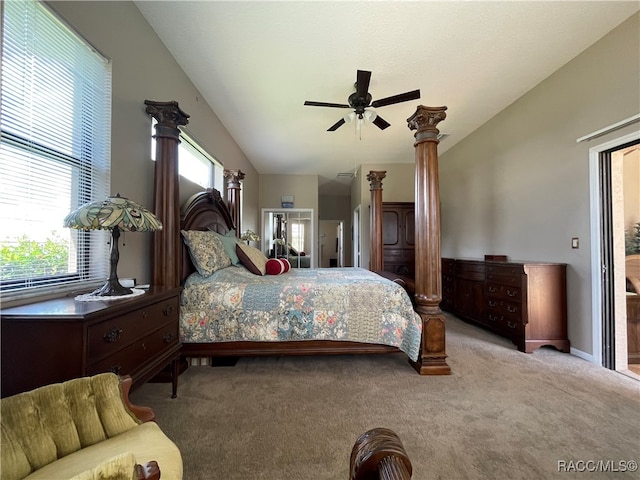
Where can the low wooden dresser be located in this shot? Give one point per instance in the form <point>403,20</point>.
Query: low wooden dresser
<point>57,340</point>
<point>523,301</point>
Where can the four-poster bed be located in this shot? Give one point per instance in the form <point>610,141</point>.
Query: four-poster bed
<point>208,211</point>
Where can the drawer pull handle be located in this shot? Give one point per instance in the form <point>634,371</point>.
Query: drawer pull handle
<point>168,310</point>
<point>112,335</point>
<point>144,314</point>
<point>512,309</point>
<point>168,338</point>
<point>115,369</point>
<point>492,289</point>
<point>512,293</point>
<point>493,318</point>
<point>512,325</point>
<point>492,303</point>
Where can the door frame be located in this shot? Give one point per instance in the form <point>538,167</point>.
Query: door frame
<point>596,241</point>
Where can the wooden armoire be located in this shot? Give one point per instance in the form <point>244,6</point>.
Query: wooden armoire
<point>398,237</point>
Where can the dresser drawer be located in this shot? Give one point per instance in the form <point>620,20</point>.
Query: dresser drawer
<point>504,292</point>
<point>504,323</point>
<point>108,337</point>
<point>507,309</point>
<point>505,274</point>
<point>470,270</point>
<point>129,358</point>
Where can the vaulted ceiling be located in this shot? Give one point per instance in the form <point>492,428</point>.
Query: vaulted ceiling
<point>256,63</point>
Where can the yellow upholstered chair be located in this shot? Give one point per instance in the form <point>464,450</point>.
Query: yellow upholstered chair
<point>83,429</point>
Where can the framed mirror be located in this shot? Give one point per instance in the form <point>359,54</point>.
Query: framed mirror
<point>288,233</point>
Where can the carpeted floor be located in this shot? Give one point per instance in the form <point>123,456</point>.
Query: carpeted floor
<point>502,414</point>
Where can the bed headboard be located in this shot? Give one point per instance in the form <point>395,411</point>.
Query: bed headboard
<point>202,211</point>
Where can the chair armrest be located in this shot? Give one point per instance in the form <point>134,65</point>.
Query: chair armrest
<point>145,414</point>
<point>379,454</point>
<point>148,471</point>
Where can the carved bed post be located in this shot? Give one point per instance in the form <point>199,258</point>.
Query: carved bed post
<point>166,204</point>
<point>233,196</point>
<point>376,262</point>
<point>428,281</point>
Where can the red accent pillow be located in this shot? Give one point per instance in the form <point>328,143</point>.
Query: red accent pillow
<point>287,265</point>
<point>275,266</point>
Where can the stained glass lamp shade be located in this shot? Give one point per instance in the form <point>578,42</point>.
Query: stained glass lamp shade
<point>117,214</point>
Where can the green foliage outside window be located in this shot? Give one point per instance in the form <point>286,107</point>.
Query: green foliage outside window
<point>632,241</point>
<point>41,259</point>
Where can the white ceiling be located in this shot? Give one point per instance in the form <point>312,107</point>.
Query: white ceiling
<point>255,63</point>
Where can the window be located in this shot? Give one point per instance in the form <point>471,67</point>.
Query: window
<point>194,163</point>
<point>54,151</point>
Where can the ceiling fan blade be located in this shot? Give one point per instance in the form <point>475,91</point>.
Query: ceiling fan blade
<point>402,97</point>
<point>381,123</point>
<point>336,125</point>
<point>362,83</point>
<point>325,104</point>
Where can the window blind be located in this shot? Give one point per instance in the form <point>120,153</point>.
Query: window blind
<point>54,151</point>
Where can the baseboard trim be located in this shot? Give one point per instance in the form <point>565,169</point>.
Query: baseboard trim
<point>583,355</point>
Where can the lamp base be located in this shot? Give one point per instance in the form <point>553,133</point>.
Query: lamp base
<point>112,289</point>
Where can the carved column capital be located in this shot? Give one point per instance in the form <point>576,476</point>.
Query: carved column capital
<point>233,196</point>
<point>167,114</point>
<point>424,121</point>
<point>375,179</point>
<point>233,178</point>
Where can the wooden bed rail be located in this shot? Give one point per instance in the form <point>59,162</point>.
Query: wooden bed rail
<point>379,455</point>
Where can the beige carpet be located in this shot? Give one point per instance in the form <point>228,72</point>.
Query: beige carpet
<point>502,414</point>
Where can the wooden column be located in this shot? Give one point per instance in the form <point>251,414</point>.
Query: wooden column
<point>376,262</point>
<point>428,281</point>
<point>166,246</point>
<point>233,196</point>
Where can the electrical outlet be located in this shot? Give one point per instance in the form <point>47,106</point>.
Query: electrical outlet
<point>575,242</point>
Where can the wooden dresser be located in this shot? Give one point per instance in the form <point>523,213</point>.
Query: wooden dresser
<point>398,245</point>
<point>56,340</point>
<point>525,302</point>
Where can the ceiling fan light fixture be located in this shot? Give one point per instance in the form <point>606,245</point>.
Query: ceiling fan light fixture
<point>349,117</point>
<point>370,115</point>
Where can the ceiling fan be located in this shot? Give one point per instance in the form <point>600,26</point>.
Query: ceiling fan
<point>360,102</point>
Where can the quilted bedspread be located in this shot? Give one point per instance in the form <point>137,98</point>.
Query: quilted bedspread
<point>350,304</point>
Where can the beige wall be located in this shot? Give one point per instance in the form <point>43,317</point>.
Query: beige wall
<point>519,185</point>
<point>304,189</point>
<point>144,69</point>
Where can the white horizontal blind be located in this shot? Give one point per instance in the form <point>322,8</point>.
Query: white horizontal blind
<point>54,151</point>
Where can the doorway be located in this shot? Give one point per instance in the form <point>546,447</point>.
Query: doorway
<point>331,243</point>
<point>356,236</point>
<point>615,206</point>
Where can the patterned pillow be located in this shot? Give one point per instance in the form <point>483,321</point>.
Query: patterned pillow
<point>229,241</point>
<point>252,258</point>
<point>206,251</point>
<point>276,266</point>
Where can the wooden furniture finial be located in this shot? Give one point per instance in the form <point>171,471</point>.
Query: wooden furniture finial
<point>379,454</point>
<point>233,196</point>
<point>428,274</point>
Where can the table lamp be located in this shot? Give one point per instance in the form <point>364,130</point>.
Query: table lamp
<point>117,214</point>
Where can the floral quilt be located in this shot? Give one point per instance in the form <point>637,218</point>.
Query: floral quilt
<point>350,304</point>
